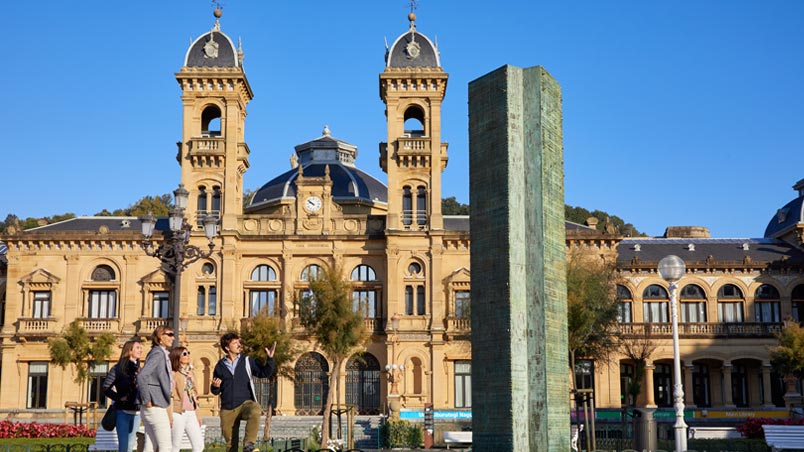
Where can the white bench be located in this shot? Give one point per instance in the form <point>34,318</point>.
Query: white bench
<point>106,440</point>
<point>714,433</point>
<point>457,437</point>
<point>781,437</point>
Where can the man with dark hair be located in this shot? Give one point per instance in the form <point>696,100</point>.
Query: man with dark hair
<point>232,379</point>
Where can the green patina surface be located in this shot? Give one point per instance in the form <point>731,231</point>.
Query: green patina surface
<point>519,324</point>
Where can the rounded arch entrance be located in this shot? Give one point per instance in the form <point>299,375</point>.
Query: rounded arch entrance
<point>311,386</point>
<point>363,383</point>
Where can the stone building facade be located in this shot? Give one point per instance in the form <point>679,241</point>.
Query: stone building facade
<point>402,256</point>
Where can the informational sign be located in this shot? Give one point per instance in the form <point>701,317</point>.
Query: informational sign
<point>410,414</point>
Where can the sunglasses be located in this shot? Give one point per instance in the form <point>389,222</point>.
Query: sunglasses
<point>185,353</point>
<point>171,334</point>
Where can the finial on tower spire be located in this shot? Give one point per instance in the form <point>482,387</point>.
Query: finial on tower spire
<point>412,15</point>
<point>217,12</point>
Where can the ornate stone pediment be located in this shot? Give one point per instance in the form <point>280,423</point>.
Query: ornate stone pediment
<point>40,278</point>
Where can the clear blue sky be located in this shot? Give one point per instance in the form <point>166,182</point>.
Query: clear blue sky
<point>707,95</point>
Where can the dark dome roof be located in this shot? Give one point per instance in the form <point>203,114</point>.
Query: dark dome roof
<point>348,182</point>
<point>213,49</point>
<point>788,216</point>
<point>412,49</point>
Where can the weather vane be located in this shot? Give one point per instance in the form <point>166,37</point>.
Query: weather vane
<point>412,5</point>
<point>217,4</point>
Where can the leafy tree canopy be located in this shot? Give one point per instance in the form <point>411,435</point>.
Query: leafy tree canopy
<point>451,206</point>
<point>158,205</point>
<point>580,215</point>
<point>262,331</point>
<point>74,347</point>
<point>788,356</point>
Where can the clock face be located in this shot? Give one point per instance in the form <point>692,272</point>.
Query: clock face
<point>313,204</point>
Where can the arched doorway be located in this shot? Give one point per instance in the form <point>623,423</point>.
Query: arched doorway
<point>312,386</point>
<point>363,383</point>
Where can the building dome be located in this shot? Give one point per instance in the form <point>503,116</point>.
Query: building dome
<point>788,216</point>
<point>349,184</point>
<point>412,49</point>
<point>212,49</point>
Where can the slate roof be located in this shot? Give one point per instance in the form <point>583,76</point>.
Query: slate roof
<point>93,224</point>
<point>456,223</point>
<point>399,56</point>
<point>765,250</point>
<point>227,53</point>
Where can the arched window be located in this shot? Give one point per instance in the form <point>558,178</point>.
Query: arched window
<point>311,272</point>
<point>767,308</point>
<point>421,206</point>
<point>365,294</point>
<point>625,303</point>
<point>102,301</point>
<point>655,304</point>
<point>414,122</point>
<point>207,300</point>
<point>407,207</point>
<point>216,202</point>
<point>414,269</point>
<point>693,304</point>
<point>211,121</point>
<point>263,273</point>
<point>103,273</point>
<point>263,297</point>
<point>208,269</point>
<point>202,201</point>
<point>729,304</point>
<point>417,373</point>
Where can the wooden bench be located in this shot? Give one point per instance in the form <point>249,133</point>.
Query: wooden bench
<point>106,440</point>
<point>457,437</point>
<point>780,437</point>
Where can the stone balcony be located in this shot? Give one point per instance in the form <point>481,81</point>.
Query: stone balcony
<point>702,330</point>
<point>36,327</point>
<point>100,325</point>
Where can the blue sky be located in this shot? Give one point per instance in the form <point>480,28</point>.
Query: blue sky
<point>705,95</point>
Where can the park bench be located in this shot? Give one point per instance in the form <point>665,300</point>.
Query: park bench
<point>457,438</point>
<point>107,440</point>
<point>780,437</point>
<point>713,433</point>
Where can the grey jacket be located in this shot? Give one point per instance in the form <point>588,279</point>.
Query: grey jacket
<point>153,380</point>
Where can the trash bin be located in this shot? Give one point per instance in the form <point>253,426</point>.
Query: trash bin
<point>645,434</point>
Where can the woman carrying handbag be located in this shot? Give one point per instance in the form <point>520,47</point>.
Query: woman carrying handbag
<point>120,385</point>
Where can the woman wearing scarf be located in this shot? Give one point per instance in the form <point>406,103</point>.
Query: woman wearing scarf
<point>185,401</point>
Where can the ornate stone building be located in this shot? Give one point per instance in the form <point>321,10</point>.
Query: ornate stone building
<point>401,255</point>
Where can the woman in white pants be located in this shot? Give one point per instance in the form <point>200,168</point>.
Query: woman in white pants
<point>154,382</point>
<point>185,401</point>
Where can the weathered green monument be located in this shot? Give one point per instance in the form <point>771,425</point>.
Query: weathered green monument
<point>520,375</point>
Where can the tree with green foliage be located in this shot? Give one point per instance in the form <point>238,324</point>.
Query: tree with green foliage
<point>264,329</point>
<point>451,206</point>
<point>580,215</point>
<point>75,347</point>
<point>592,309</point>
<point>339,331</point>
<point>638,348</point>
<point>788,357</point>
<point>158,205</point>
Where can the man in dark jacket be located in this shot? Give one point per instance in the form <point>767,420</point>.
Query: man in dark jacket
<point>232,380</point>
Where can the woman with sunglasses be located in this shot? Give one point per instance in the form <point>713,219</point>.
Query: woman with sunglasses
<point>185,401</point>
<point>155,381</point>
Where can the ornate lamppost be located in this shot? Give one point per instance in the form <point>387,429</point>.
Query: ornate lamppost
<point>175,251</point>
<point>671,269</point>
<point>394,370</point>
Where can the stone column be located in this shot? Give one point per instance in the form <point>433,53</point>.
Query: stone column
<point>689,400</point>
<point>727,399</point>
<point>520,391</point>
<point>767,395</point>
<point>650,402</point>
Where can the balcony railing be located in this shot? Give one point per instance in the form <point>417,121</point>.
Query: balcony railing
<point>37,327</point>
<point>99,325</point>
<point>373,325</point>
<point>664,330</point>
<point>458,324</point>
<point>149,324</point>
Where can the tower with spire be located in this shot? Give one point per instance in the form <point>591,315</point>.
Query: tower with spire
<point>213,153</point>
<point>413,86</point>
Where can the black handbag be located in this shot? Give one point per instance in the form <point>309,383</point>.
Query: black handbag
<point>109,421</point>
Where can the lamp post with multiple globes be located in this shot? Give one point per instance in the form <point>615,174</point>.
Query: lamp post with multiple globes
<point>175,251</point>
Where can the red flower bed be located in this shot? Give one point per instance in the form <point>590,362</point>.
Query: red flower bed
<point>752,427</point>
<point>10,429</point>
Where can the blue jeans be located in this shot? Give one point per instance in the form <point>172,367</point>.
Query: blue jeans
<point>127,425</point>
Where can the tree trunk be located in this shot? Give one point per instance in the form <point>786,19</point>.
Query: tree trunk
<point>333,378</point>
<point>266,432</point>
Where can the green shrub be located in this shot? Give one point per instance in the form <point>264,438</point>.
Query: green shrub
<point>399,433</point>
<point>719,445</point>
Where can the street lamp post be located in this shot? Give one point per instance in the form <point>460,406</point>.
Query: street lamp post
<point>175,251</point>
<point>393,369</point>
<point>671,269</point>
